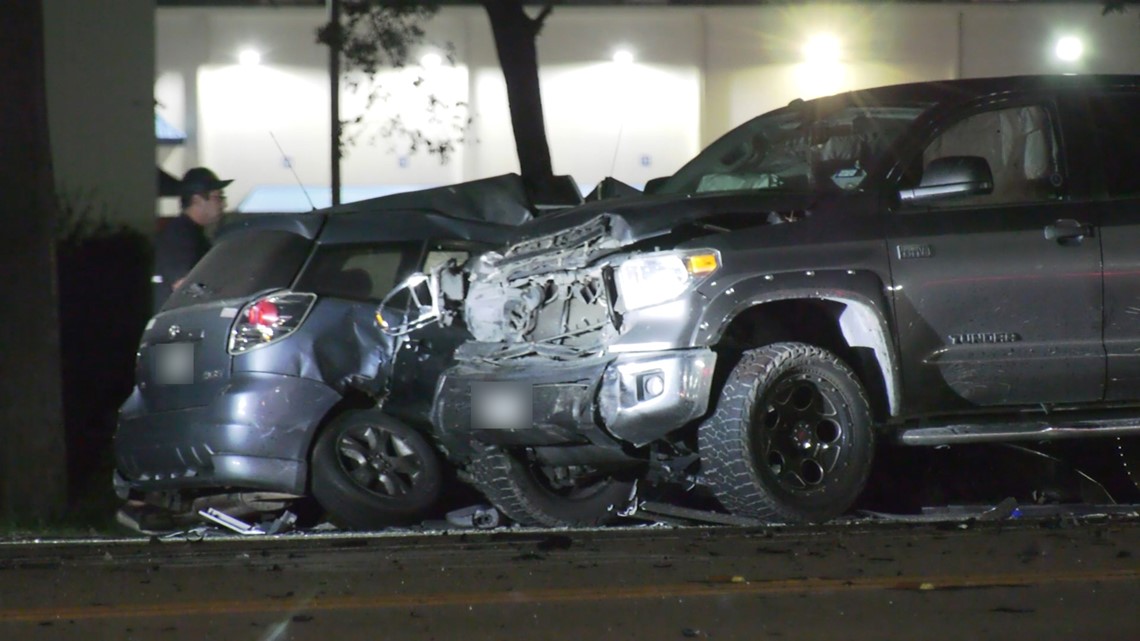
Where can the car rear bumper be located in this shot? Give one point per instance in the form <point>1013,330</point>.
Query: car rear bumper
<point>254,435</point>
<point>631,397</point>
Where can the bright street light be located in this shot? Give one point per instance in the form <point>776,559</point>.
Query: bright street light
<point>623,57</point>
<point>822,48</point>
<point>249,57</point>
<point>1069,49</point>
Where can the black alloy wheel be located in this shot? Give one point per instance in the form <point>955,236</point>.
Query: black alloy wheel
<point>791,438</point>
<point>371,471</point>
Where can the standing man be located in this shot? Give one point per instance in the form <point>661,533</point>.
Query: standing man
<point>182,242</point>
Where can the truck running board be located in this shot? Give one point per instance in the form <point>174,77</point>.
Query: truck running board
<point>1053,428</point>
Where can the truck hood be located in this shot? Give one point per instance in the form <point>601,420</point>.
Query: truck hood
<point>575,238</point>
<point>638,218</point>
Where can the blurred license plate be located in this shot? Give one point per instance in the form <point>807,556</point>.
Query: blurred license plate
<point>501,406</point>
<point>174,363</point>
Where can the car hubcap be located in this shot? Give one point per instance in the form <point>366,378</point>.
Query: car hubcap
<point>379,461</point>
<point>800,432</point>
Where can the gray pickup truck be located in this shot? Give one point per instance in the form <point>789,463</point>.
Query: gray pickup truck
<point>932,263</point>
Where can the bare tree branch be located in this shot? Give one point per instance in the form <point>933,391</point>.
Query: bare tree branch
<point>378,35</point>
<point>540,20</point>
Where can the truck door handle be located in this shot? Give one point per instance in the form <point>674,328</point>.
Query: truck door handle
<point>1067,231</point>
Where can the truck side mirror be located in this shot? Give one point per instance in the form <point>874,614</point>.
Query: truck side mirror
<point>950,177</point>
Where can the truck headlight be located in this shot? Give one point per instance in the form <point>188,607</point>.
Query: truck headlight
<point>652,279</point>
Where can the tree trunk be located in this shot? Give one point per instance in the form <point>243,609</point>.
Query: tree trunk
<point>33,476</point>
<point>515,34</point>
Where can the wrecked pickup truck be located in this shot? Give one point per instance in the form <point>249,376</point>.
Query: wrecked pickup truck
<point>266,378</point>
<point>933,263</point>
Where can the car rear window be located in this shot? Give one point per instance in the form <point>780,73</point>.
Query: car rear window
<point>358,272</point>
<point>242,264</point>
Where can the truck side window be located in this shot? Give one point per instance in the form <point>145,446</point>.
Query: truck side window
<point>1020,147</point>
<point>1117,125</point>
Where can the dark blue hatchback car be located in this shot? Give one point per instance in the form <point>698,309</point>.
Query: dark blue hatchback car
<point>267,378</point>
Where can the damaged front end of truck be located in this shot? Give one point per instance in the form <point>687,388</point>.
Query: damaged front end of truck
<point>586,359</point>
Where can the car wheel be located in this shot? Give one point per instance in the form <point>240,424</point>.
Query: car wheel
<point>535,495</point>
<point>791,438</point>
<point>371,471</point>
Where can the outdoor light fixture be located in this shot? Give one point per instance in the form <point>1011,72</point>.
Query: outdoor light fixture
<point>431,60</point>
<point>623,57</point>
<point>822,48</point>
<point>1069,49</point>
<point>249,57</point>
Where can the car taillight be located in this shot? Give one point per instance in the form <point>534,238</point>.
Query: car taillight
<point>269,319</point>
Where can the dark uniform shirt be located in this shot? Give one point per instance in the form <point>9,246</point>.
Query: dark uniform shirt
<point>179,245</point>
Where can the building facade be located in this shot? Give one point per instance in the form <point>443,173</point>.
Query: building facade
<point>628,91</point>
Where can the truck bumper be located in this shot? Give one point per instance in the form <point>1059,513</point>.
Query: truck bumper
<point>633,398</point>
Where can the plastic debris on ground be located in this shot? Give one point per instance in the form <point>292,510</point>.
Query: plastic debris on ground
<point>677,515</point>
<point>481,517</point>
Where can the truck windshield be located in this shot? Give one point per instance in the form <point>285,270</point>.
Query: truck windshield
<point>800,147</point>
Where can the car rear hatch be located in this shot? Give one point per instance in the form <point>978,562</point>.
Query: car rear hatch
<point>183,359</point>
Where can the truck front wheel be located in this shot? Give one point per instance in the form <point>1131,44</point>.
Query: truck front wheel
<point>535,495</point>
<point>791,439</point>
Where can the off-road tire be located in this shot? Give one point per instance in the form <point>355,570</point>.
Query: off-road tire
<point>363,487</point>
<point>791,438</point>
<point>514,487</point>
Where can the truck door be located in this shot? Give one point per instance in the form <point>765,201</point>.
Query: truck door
<point>998,296</point>
<point>1113,116</point>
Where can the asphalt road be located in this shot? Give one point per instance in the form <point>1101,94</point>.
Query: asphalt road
<point>1049,579</point>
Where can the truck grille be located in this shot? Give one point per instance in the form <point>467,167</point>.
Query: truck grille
<point>573,311</point>
<point>548,292</point>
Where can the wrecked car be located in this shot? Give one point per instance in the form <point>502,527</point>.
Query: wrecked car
<point>924,264</point>
<point>266,378</point>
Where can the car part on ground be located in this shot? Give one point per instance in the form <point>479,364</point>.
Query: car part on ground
<point>481,517</point>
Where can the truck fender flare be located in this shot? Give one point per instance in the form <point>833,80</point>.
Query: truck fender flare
<point>863,321</point>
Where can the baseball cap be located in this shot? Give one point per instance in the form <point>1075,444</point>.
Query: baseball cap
<point>200,180</point>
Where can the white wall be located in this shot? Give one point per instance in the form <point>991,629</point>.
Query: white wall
<point>756,61</point>
<point>998,40</point>
<point>697,72</point>
<point>231,112</point>
<point>633,121</point>
<point>100,107</point>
